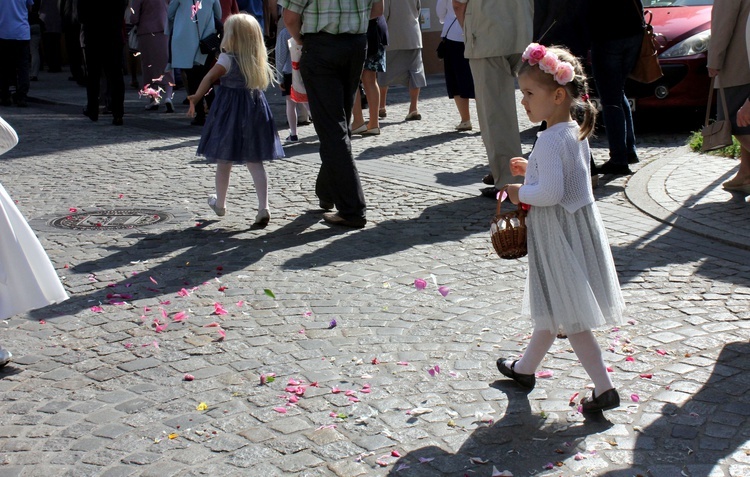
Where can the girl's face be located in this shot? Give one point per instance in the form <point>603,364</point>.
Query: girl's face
<point>542,101</point>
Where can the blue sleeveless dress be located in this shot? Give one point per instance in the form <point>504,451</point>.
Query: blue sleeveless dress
<point>239,127</point>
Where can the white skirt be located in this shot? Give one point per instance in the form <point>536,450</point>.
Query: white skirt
<point>572,283</point>
<point>27,278</point>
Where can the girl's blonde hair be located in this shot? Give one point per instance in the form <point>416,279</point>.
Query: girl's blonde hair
<point>243,38</point>
<point>577,88</point>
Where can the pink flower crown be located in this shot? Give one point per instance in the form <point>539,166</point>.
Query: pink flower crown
<point>548,62</point>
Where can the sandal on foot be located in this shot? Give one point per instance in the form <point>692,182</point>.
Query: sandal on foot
<point>525,380</point>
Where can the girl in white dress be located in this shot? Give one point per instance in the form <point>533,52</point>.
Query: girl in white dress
<point>572,284</point>
<point>27,278</point>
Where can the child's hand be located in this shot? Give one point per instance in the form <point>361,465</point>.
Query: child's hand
<point>191,109</point>
<point>518,166</point>
<point>513,192</point>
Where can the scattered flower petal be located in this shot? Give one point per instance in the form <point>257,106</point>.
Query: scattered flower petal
<point>573,399</point>
<point>544,374</point>
<point>269,293</point>
<point>183,292</point>
<point>188,377</point>
<point>128,345</point>
<point>173,435</point>
<point>417,411</point>
<point>335,390</point>
<point>97,309</point>
<point>219,310</point>
<point>635,398</point>
<point>240,304</point>
<point>403,363</point>
<point>332,324</point>
<point>630,359</point>
<point>179,316</point>
<point>281,410</point>
<point>202,407</point>
<point>424,460</point>
<point>375,361</point>
<point>222,334</point>
<point>478,460</point>
<point>444,290</point>
<point>420,284</point>
<point>661,352</point>
<point>497,473</point>
<point>153,281</point>
<point>646,375</point>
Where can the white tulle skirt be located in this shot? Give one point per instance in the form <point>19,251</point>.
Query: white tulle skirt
<point>27,278</point>
<point>572,283</point>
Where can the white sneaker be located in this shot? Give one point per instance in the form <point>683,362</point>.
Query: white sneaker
<point>262,219</point>
<point>360,129</point>
<point>5,356</point>
<point>220,211</point>
<point>464,126</point>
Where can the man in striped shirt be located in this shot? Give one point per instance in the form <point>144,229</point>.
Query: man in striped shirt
<point>333,35</point>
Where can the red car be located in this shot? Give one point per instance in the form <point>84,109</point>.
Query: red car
<point>683,30</point>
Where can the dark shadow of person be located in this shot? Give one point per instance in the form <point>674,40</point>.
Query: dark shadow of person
<point>522,442</point>
<point>693,435</point>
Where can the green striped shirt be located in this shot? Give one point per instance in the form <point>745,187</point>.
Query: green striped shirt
<point>332,16</point>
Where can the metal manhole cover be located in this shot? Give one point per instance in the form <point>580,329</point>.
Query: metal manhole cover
<point>116,219</point>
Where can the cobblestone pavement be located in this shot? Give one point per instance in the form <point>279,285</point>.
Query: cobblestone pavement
<point>372,376</point>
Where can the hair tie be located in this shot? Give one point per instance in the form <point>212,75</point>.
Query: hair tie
<point>585,97</point>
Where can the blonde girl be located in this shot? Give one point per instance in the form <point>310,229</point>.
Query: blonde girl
<point>240,128</point>
<point>572,284</point>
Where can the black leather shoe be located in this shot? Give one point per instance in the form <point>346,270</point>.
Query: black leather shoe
<point>335,219</point>
<point>488,179</point>
<point>326,205</point>
<point>91,115</point>
<point>489,192</point>
<point>198,121</point>
<point>525,380</point>
<point>604,402</point>
<point>615,169</point>
<point>633,158</point>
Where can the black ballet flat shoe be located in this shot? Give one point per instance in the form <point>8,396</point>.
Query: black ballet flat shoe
<point>527,381</point>
<point>604,402</point>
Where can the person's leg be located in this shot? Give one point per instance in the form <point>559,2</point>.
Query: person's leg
<point>291,116</point>
<point>331,68</point>
<point>6,73</point>
<point>494,85</point>
<point>413,99</point>
<point>260,181</point>
<point>540,343</point>
<point>370,83</point>
<point>223,171</point>
<point>115,82</point>
<point>611,62</point>
<point>590,355</point>
<point>75,55</point>
<point>383,97</point>
<point>93,82</point>
<point>22,81</point>
<point>358,118</point>
<point>462,104</point>
<point>742,178</point>
<point>36,60</point>
<point>194,78</point>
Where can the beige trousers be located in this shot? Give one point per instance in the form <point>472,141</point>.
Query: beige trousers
<point>494,87</point>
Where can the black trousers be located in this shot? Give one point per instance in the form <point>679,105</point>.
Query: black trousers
<point>194,77</point>
<point>14,68</point>
<point>106,59</point>
<point>331,66</point>
<point>72,37</point>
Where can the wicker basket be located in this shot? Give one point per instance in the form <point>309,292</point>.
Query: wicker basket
<point>508,232</point>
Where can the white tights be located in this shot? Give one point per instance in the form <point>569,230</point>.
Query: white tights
<point>586,348</point>
<point>260,180</point>
<point>291,115</point>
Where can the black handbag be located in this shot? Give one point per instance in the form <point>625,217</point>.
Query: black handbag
<point>211,44</point>
<point>440,51</point>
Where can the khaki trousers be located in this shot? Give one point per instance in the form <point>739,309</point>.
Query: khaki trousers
<point>494,86</point>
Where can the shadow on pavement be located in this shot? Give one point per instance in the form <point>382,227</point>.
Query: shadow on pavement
<point>520,441</point>
<point>695,434</point>
<point>446,222</point>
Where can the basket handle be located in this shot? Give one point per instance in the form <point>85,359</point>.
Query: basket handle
<point>502,194</point>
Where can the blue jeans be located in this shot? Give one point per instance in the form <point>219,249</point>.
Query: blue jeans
<point>612,61</point>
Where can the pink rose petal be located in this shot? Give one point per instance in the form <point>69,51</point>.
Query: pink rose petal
<point>188,377</point>
<point>153,281</point>
<point>420,284</point>
<point>281,410</point>
<point>635,398</point>
<point>444,291</point>
<point>179,316</point>
<point>544,374</point>
<point>222,334</point>
<point>97,309</point>
<point>183,292</point>
<point>219,310</point>
<point>646,375</point>
<point>630,359</point>
<point>661,352</point>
